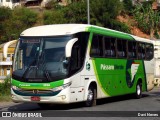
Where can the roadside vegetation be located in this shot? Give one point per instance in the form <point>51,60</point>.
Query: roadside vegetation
<point>13,22</point>
<point>102,12</point>
<point>148,20</point>
<point>5,94</point>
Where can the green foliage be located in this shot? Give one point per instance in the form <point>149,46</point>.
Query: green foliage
<point>54,17</point>
<point>105,12</point>
<point>5,14</point>
<point>103,9</point>
<point>116,25</point>
<point>5,92</point>
<point>22,18</point>
<point>53,5</point>
<point>19,19</point>
<point>128,6</point>
<point>147,19</point>
<point>76,13</point>
<point>5,87</point>
<point>102,13</point>
<point>73,13</point>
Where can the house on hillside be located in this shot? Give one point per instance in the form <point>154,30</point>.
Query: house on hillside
<point>27,3</point>
<point>156,4</point>
<point>6,54</point>
<point>44,3</point>
<point>10,3</point>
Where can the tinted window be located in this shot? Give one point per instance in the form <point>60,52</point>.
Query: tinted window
<point>132,49</point>
<point>78,52</point>
<point>121,48</point>
<point>141,51</point>
<point>96,46</point>
<point>149,51</point>
<point>110,49</point>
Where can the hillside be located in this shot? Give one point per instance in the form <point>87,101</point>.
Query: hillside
<point>132,25</point>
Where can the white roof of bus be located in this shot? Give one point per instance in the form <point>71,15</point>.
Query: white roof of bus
<point>156,42</point>
<point>66,29</point>
<point>54,30</point>
<point>142,39</point>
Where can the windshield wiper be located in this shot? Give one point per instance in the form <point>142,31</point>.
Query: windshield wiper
<point>47,75</point>
<point>28,69</point>
<point>41,60</point>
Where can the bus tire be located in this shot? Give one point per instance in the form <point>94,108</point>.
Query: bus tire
<point>91,97</point>
<point>138,90</point>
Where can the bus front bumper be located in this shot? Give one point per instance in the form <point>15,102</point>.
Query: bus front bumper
<point>61,98</point>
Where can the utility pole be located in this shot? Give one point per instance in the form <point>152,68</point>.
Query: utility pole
<point>88,12</point>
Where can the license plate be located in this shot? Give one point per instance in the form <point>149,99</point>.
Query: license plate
<point>35,98</point>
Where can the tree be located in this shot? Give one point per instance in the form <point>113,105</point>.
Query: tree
<point>20,19</point>
<point>102,12</point>
<point>76,12</point>
<point>105,12</point>
<point>128,6</point>
<point>54,17</point>
<point>147,19</point>
<point>73,13</point>
<point>5,14</point>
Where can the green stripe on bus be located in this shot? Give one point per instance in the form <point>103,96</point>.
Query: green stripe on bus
<point>98,80</point>
<point>115,76</point>
<point>110,33</point>
<point>41,86</point>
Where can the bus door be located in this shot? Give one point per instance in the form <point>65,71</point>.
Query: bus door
<point>77,91</point>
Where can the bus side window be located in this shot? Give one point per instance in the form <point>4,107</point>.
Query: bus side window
<point>113,47</point>
<point>75,57</point>
<point>141,51</point>
<point>96,46</point>
<point>109,47</point>
<point>149,51</point>
<point>107,51</point>
<point>121,48</point>
<point>79,51</point>
<point>132,50</point>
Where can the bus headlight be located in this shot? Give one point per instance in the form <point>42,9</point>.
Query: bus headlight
<point>61,87</point>
<point>15,87</point>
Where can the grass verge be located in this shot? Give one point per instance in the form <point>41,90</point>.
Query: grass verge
<point>5,98</point>
<point>5,94</point>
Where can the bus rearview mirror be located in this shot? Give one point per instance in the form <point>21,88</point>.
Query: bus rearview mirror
<point>65,63</point>
<point>68,49</point>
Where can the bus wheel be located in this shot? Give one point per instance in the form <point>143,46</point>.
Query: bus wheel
<point>91,97</point>
<point>138,90</point>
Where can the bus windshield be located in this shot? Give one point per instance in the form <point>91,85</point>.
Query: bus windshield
<point>40,59</point>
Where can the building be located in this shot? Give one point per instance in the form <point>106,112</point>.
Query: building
<point>10,3</point>
<point>6,54</point>
<point>44,3</point>
<point>155,5</point>
<point>29,3</point>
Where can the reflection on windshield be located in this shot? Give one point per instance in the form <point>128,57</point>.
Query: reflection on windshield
<point>40,59</point>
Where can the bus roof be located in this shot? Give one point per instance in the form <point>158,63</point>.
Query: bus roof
<point>156,42</point>
<point>142,39</point>
<point>55,30</point>
<point>68,29</point>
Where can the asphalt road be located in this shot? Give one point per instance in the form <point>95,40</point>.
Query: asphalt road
<point>115,108</point>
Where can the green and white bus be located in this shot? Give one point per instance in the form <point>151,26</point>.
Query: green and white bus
<point>69,63</point>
